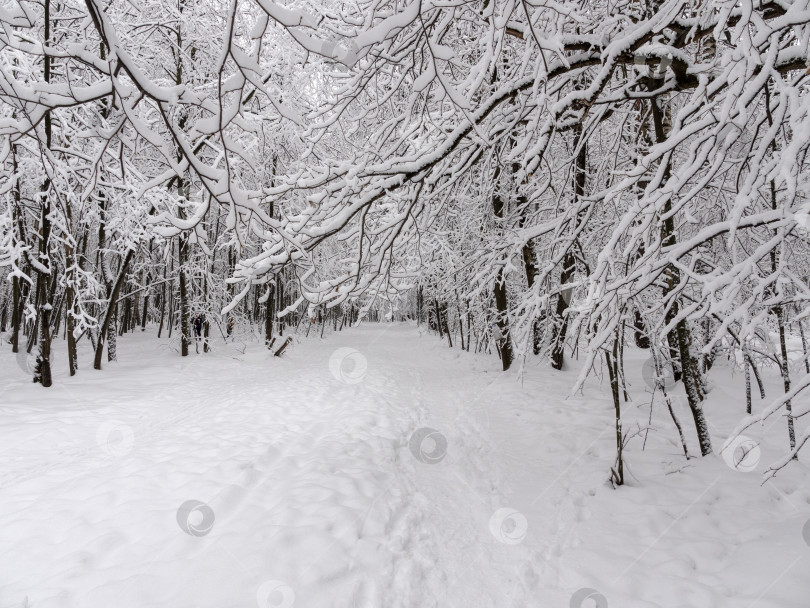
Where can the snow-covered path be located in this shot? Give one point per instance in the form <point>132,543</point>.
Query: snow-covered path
<point>307,470</point>
<point>376,468</point>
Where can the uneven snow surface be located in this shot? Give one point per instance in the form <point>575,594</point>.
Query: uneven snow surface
<point>378,468</point>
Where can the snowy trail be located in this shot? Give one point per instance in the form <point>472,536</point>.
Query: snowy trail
<point>310,479</point>
<point>322,493</point>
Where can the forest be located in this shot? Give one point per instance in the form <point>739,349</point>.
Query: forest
<point>606,198</point>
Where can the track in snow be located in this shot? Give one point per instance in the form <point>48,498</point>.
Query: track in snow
<point>321,487</point>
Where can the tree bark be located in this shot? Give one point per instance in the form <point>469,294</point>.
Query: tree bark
<point>44,297</point>
<point>680,339</point>
<point>182,260</point>
<point>560,327</point>
<point>108,317</point>
<point>269,311</point>
<point>499,290</point>
<point>613,374</point>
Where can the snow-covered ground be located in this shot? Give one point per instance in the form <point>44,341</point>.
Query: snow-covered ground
<point>378,468</point>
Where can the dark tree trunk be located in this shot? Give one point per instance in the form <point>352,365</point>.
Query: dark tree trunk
<point>44,297</point>
<point>185,315</point>
<point>501,305</point>
<point>444,316</point>
<point>16,314</point>
<point>144,311</point>
<point>780,315</point>
<point>172,301</point>
<point>613,373</point>
<point>680,339</point>
<point>269,311</point>
<point>111,306</point>
<point>70,298</point>
<point>560,326</point>
<point>162,302</point>
<point>640,336</point>
<point>126,316</point>
<point>438,314</point>
<point>693,386</point>
<point>779,311</point>
<point>280,299</point>
<point>804,347</point>
<point>112,340</point>
<point>500,292</point>
<point>529,262</point>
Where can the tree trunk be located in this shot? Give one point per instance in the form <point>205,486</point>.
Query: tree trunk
<point>44,361</point>
<point>70,295</point>
<point>172,301</point>
<point>529,261</point>
<point>640,336</point>
<point>747,385</point>
<point>108,317</point>
<point>268,316</point>
<point>112,340</point>
<point>501,305</point>
<point>280,300</point>
<point>804,348</point>
<point>500,289</point>
<point>613,373</point>
<point>438,314</point>
<point>162,302</point>
<point>560,327</point>
<point>16,314</point>
<point>444,314</point>
<point>44,297</point>
<point>126,316</point>
<point>680,339</point>
<point>780,315</point>
<point>692,384</point>
<point>182,258</point>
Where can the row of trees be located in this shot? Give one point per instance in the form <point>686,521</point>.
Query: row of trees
<point>538,175</point>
